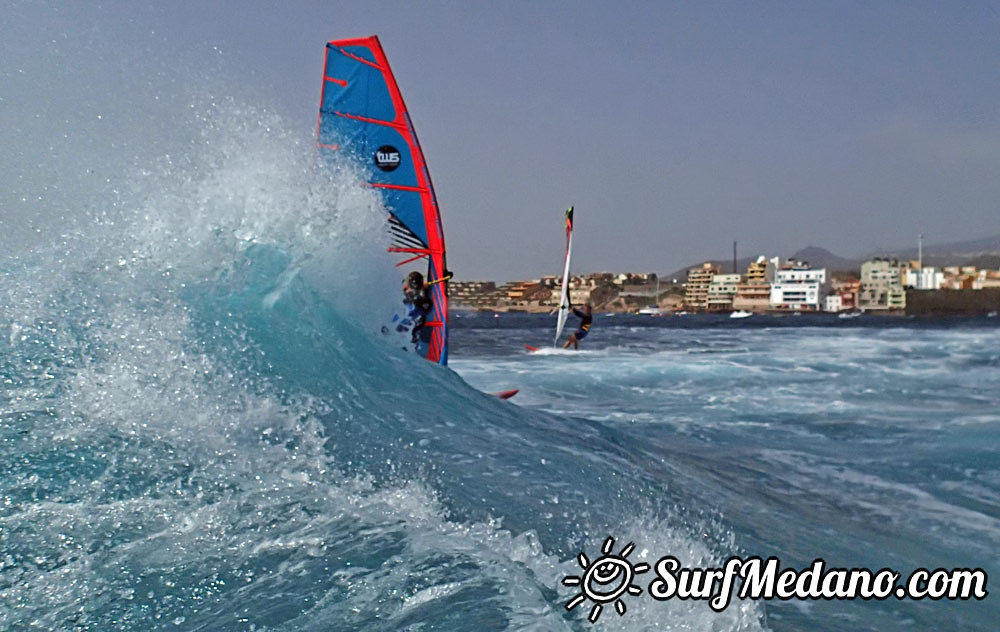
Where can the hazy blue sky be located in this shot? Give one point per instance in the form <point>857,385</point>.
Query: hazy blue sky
<point>673,127</point>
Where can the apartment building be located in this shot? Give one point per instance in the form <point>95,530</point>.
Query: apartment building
<point>721,291</point>
<point>882,285</point>
<point>754,293</point>
<point>797,287</point>
<point>696,288</point>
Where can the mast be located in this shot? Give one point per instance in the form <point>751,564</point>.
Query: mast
<point>564,295</point>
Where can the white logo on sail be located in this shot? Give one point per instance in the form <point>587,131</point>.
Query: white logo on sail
<point>387,158</point>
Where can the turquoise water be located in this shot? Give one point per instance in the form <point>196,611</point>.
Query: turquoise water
<point>237,453</point>
<point>202,429</point>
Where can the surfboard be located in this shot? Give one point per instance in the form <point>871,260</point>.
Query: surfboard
<point>530,348</point>
<point>399,330</point>
<point>362,113</point>
<point>507,394</point>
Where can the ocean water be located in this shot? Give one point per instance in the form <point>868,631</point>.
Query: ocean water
<point>202,429</point>
<point>868,443</point>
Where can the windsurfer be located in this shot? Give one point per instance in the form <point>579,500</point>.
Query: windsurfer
<point>585,319</point>
<point>418,297</point>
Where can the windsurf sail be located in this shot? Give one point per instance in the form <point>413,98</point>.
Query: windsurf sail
<point>564,296</point>
<point>362,113</point>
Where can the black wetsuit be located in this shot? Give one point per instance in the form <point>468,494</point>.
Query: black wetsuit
<point>585,320</point>
<point>421,303</point>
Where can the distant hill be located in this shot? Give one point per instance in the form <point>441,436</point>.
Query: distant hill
<point>982,253</point>
<point>813,255</point>
<point>823,258</point>
<point>978,252</point>
<point>989,262</point>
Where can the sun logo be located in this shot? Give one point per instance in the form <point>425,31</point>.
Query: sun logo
<point>605,579</point>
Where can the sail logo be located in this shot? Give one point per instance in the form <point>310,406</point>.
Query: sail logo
<point>387,158</point>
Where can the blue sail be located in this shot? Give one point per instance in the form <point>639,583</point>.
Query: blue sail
<point>362,112</point>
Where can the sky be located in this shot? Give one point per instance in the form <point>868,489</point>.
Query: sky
<point>674,128</point>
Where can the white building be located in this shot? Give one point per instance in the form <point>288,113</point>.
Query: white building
<point>802,275</point>
<point>795,296</point>
<point>923,278</point>
<point>798,288</point>
<point>986,279</point>
<point>721,291</point>
<point>772,269</point>
<point>834,303</point>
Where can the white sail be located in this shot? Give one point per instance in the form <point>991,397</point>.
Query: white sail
<point>564,295</point>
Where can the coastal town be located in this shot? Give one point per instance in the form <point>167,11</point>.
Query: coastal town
<point>767,285</point>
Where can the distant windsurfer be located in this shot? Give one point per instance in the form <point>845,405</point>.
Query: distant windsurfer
<point>585,319</point>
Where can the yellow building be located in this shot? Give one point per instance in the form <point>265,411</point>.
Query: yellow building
<point>696,288</point>
<point>757,271</point>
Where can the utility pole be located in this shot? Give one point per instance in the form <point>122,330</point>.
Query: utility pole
<point>920,261</point>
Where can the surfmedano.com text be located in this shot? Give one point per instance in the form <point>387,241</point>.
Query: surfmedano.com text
<point>765,579</point>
